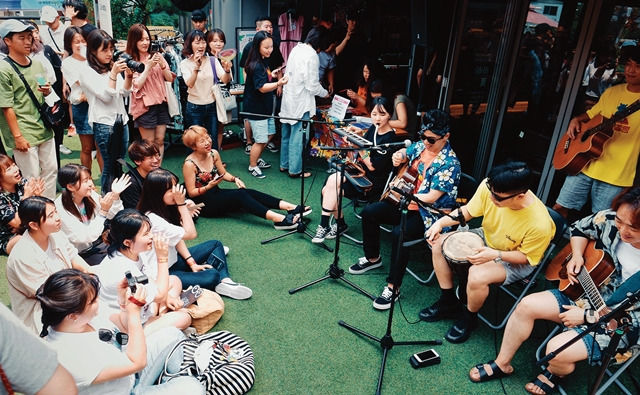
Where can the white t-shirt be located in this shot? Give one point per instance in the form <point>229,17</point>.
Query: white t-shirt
<point>71,70</point>
<point>628,256</point>
<point>111,271</point>
<point>173,233</point>
<point>84,355</point>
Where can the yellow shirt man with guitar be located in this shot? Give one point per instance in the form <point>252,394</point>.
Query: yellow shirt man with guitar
<point>601,262</point>
<point>600,149</point>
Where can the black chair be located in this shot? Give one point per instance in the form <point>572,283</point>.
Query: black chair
<point>528,282</point>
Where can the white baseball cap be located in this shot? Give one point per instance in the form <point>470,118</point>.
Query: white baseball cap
<point>13,26</point>
<point>48,14</point>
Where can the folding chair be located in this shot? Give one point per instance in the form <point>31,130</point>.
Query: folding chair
<point>466,188</point>
<point>530,280</point>
<point>613,375</point>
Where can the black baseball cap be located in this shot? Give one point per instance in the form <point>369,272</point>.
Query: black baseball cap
<point>198,15</point>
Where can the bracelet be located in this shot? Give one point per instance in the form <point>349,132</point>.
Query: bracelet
<point>112,79</point>
<point>18,136</point>
<point>199,190</point>
<point>183,204</point>
<point>187,258</point>
<point>136,301</point>
<point>196,70</point>
<point>191,264</point>
<point>162,68</point>
<point>163,260</point>
<point>234,179</point>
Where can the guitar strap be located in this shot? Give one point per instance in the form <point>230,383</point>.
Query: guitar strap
<point>631,285</point>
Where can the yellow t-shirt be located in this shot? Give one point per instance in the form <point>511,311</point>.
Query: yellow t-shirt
<point>617,164</point>
<point>528,230</point>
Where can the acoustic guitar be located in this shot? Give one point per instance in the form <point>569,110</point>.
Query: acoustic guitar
<point>404,180</point>
<point>597,268</point>
<point>572,155</point>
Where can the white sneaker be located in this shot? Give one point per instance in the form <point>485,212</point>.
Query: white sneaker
<point>226,250</point>
<point>93,154</point>
<point>65,150</point>
<point>233,290</point>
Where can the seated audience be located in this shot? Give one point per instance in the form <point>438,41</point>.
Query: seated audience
<point>437,172</point>
<point>404,112</point>
<point>90,346</point>
<point>376,164</point>
<point>516,228</point>
<point>370,71</point>
<point>13,189</point>
<point>84,213</point>
<point>205,264</point>
<point>41,251</point>
<point>615,231</point>
<point>146,155</point>
<point>203,172</point>
<point>130,244</point>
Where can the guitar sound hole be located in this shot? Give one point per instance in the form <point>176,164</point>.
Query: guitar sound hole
<point>563,273</point>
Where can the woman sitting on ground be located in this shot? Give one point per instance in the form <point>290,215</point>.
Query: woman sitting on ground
<point>89,345</point>
<point>205,264</point>
<point>130,242</point>
<point>84,213</point>
<point>41,251</point>
<point>203,172</point>
<point>13,188</point>
<point>376,164</point>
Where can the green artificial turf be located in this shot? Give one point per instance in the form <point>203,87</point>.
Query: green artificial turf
<point>298,345</point>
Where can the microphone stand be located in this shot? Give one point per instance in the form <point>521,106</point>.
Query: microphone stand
<point>387,342</point>
<point>624,324</point>
<point>301,226</point>
<point>334,271</point>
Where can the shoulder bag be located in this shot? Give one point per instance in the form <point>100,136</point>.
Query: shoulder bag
<point>51,116</point>
<point>225,101</point>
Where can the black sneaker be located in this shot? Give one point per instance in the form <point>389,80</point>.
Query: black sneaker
<point>335,229</point>
<point>321,234</point>
<point>272,147</point>
<point>383,302</point>
<point>363,265</point>
<point>263,164</point>
<point>247,149</point>
<point>462,328</point>
<point>439,310</point>
<point>287,223</point>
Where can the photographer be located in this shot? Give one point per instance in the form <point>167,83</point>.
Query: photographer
<point>105,89</point>
<point>149,107</point>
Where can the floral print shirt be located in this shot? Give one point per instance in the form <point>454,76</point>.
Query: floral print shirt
<point>9,203</point>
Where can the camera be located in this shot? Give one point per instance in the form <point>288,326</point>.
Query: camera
<point>155,47</point>
<point>133,280</point>
<point>132,64</point>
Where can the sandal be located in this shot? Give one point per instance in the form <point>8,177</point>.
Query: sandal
<point>300,175</point>
<point>553,379</point>
<point>484,375</point>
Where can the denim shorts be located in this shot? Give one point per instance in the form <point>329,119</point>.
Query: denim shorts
<point>157,114</point>
<point>515,272</point>
<point>81,118</point>
<point>262,129</point>
<point>578,188</point>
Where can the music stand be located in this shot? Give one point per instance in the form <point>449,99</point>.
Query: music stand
<point>387,342</point>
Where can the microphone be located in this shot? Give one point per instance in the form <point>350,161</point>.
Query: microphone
<point>402,144</point>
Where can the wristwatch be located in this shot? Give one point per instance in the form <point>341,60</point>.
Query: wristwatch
<point>499,257</point>
<point>590,316</point>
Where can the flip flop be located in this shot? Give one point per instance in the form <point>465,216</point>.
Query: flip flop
<point>484,376</point>
<point>300,175</point>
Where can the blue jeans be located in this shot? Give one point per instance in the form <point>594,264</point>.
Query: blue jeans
<point>102,134</point>
<point>159,345</point>
<point>578,188</point>
<point>291,149</point>
<point>208,253</point>
<point>204,115</point>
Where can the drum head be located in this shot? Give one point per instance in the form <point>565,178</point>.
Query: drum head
<point>459,245</point>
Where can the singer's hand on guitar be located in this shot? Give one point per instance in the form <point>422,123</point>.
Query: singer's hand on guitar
<point>573,268</point>
<point>399,157</point>
<point>574,128</point>
<point>573,317</point>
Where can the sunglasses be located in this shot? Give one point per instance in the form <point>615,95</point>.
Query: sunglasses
<point>498,198</point>
<point>429,139</point>
<point>107,335</point>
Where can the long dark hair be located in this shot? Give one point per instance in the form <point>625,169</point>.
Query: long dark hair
<point>254,58</point>
<point>124,226</point>
<point>69,35</point>
<point>155,185</point>
<point>96,40</point>
<point>72,174</point>
<point>32,209</point>
<point>65,292</point>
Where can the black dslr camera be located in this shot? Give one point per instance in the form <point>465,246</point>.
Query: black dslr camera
<point>133,280</point>
<point>132,64</point>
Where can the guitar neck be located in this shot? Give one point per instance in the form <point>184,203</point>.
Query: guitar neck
<point>591,290</point>
<point>606,126</point>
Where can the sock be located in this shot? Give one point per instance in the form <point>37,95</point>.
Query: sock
<point>448,296</point>
<point>324,221</point>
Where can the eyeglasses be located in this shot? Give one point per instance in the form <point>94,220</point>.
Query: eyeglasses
<point>498,198</point>
<point>107,335</point>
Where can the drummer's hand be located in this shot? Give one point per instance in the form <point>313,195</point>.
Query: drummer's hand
<point>482,255</point>
<point>432,234</point>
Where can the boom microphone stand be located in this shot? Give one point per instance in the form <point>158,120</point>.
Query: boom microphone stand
<point>387,342</point>
<point>624,323</point>
<point>334,271</point>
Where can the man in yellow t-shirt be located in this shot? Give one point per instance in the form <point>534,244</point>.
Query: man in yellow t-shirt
<point>604,178</point>
<point>516,228</point>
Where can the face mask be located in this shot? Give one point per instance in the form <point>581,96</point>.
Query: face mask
<point>83,51</point>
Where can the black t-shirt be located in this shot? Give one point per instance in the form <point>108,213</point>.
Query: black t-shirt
<point>254,100</point>
<point>381,160</point>
<point>131,195</point>
<point>274,61</point>
<point>86,29</point>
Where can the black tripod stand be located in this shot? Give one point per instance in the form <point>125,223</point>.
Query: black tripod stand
<point>624,323</point>
<point>301,226</point>
<point>334,271</point>
<point>387,342</point>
